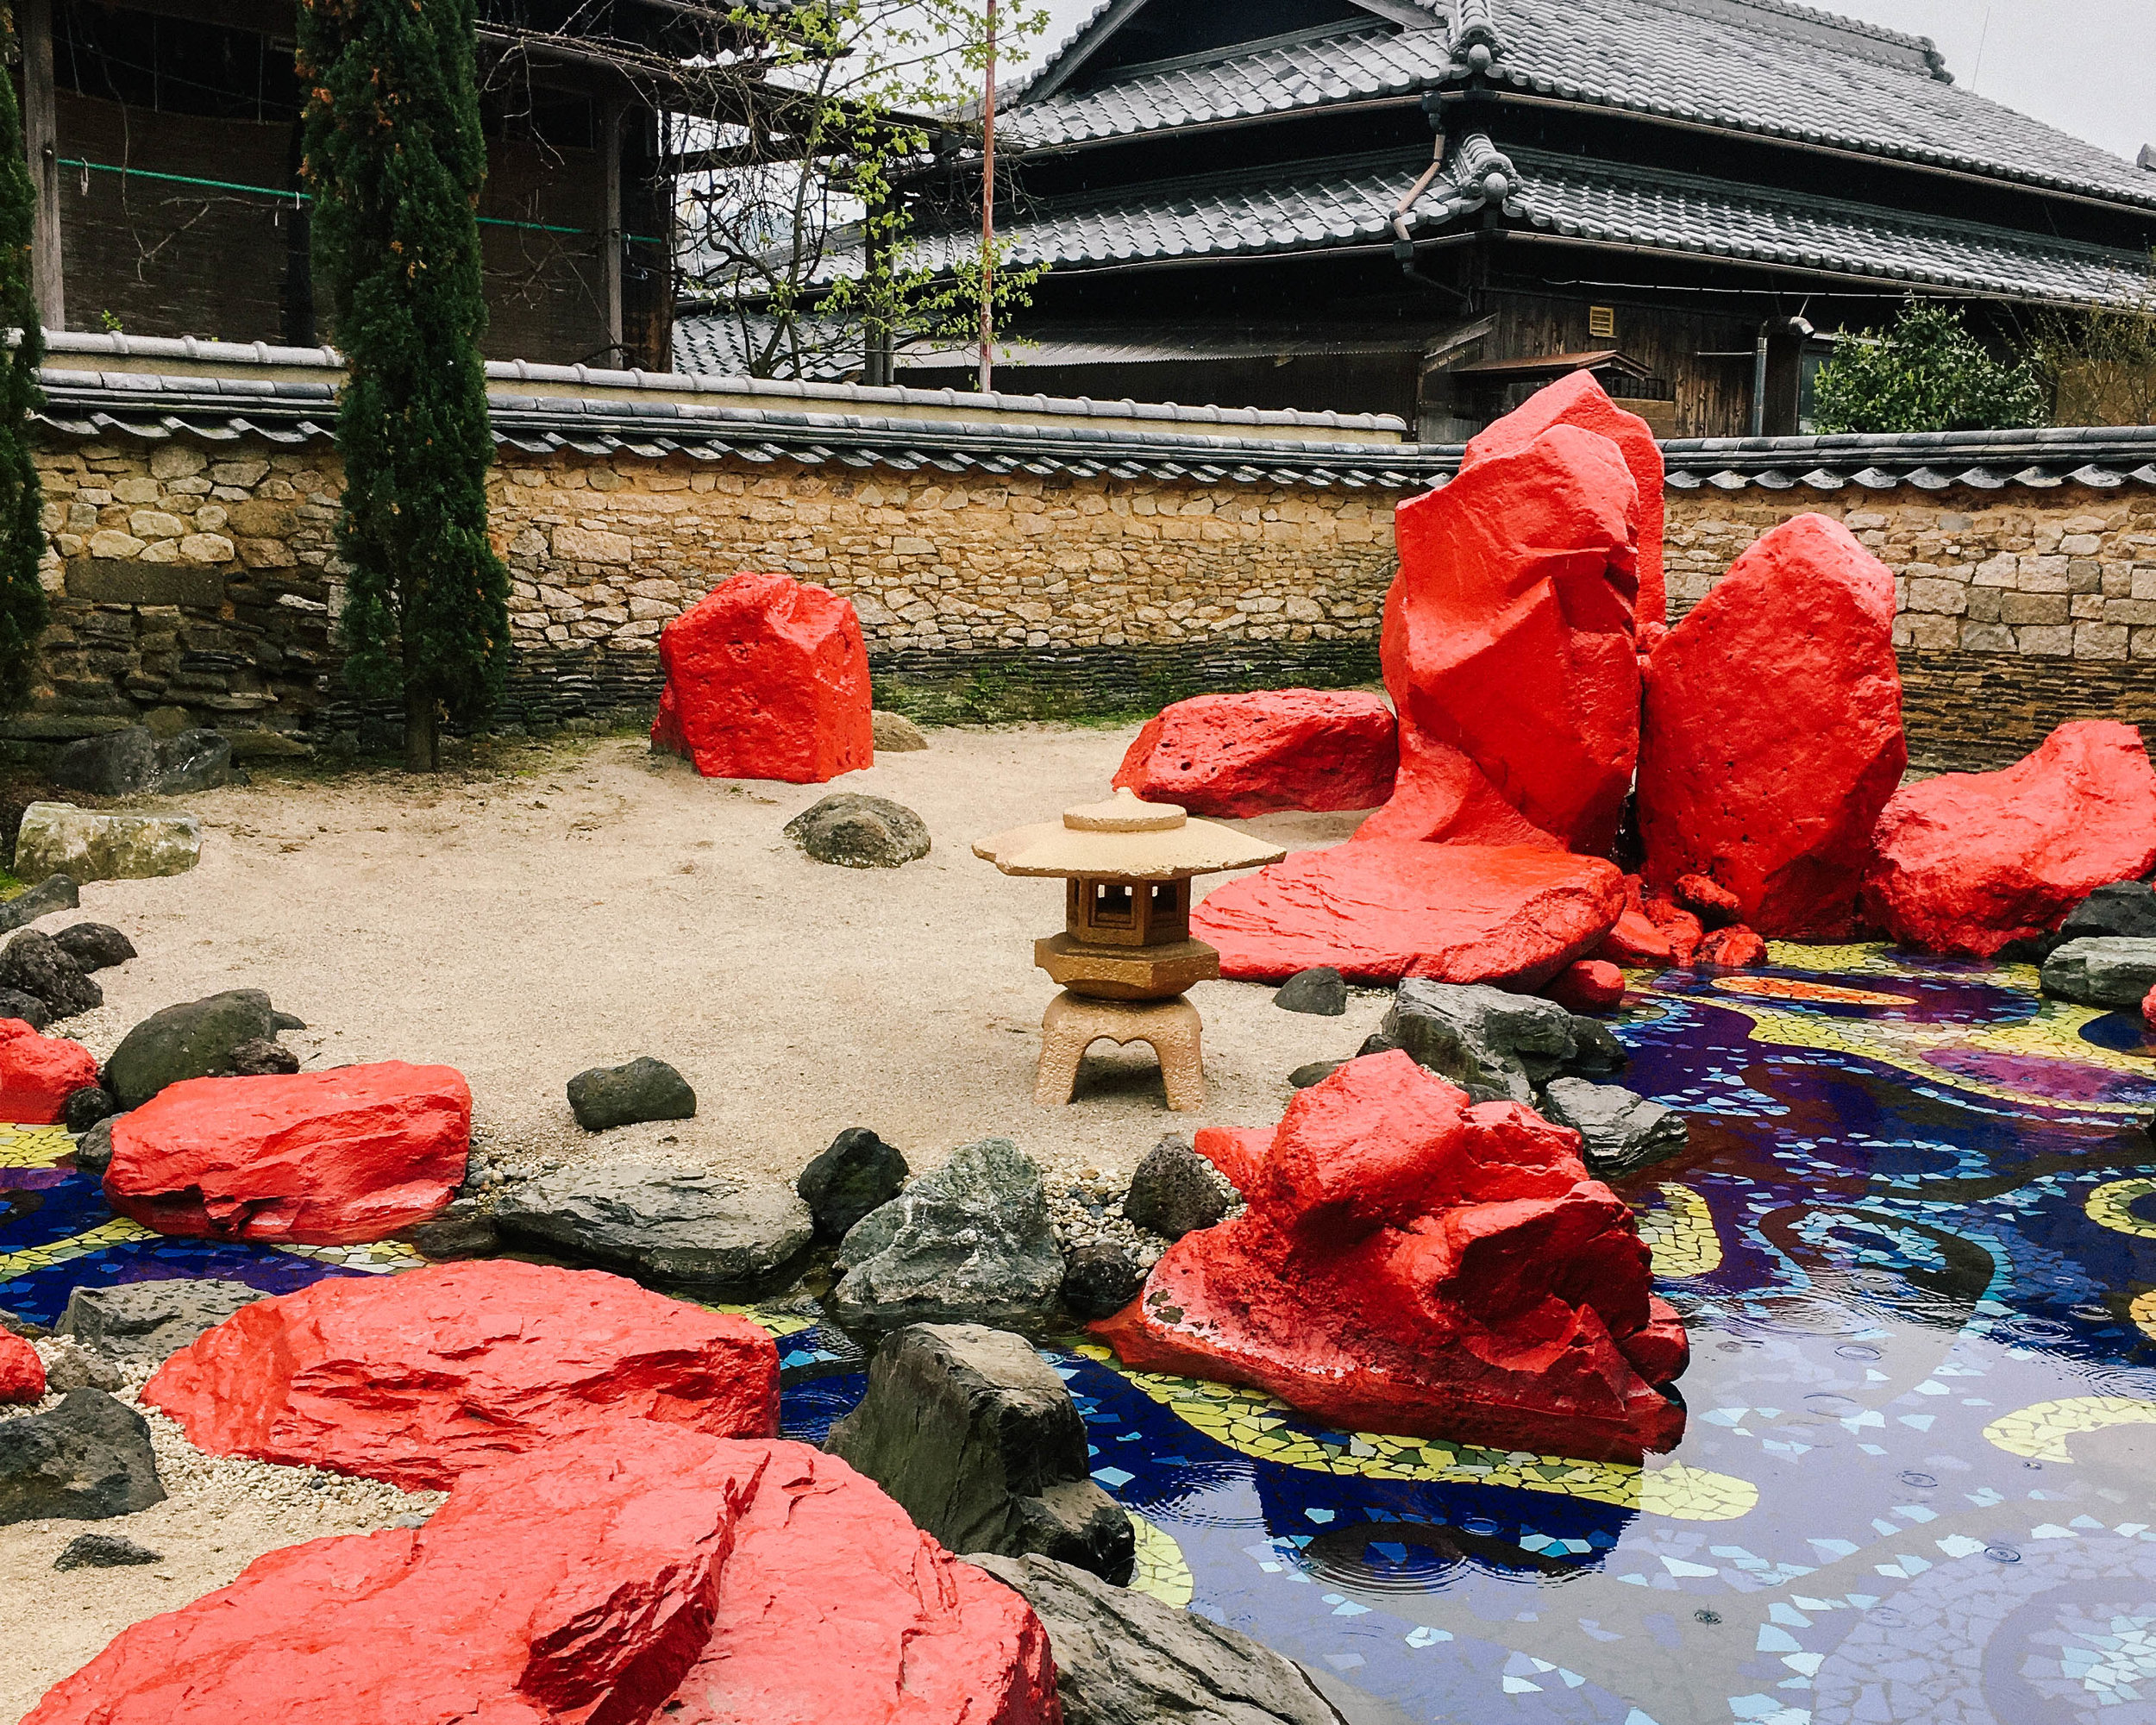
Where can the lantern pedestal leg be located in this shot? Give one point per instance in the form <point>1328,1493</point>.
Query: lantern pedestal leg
<point>1074,1022</point>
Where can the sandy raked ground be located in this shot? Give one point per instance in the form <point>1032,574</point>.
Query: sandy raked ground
<point>578,907</point>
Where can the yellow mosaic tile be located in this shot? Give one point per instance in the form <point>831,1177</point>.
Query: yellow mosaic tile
<point>2109,1206</point>
<point>382,1258</point>
<point>1161,1570</point>
<point>117,1232</point>
<point>1255,1424</point>
<point>2040,1431</point>
<point>1680,1233</point>
<point>33,1146</point>
<point>776,1325</point>
<point>2143,1312</point>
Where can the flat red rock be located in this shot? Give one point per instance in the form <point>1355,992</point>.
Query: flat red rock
<point>1415,1264</point>
<point>1508,651</point>
<point>339,1157</point>
<point>765,678</point>
<point>417,1379</point>
<point>1581,400</point>
<point>22,1372</point>
<point>1233,757</point>
<point>1773,734</point>
<point>1378,911</point>
<point>39,1073</point>
<point>1968,861</point>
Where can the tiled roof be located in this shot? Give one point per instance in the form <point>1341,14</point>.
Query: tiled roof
<point>1776,69</point>
<point>2106,458</point>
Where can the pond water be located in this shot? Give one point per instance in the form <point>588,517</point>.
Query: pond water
<point>1914,1239</point>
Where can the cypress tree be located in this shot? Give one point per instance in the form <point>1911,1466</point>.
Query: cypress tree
<point>395,158</point>
<point>21,499</point>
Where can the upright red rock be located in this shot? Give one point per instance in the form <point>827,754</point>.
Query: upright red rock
<point>1773,733</point>
<point>1378,912</point>
<point>767,678</point>
<point>1580,400</point>
<point>338,1158</point>
<point>1508,651</point>
<point>417,1379</point>
<point>1412,1263</point>
<point>22,1372</point>
<point>1233,757</point>
<point>1968,861</point>
<point>39,1073</point>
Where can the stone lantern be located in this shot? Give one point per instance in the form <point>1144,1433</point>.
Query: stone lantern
<point>1126,957</point>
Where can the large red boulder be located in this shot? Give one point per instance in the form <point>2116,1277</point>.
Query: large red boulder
<point>765,678</point>
<point>417,1379</point>
<point>22,1372</point>
<point>1509,652</point>
<point>1580,400</point>
<point>39,1073</point>
<point>648,1574</point>
<point>1773,734</point>
<point>352,1154</point>
<point>1378,912</point>
<point>835,1608</point>
<point>1237,755</point>
<point>1969,861</point>
<point>1412,1263</point>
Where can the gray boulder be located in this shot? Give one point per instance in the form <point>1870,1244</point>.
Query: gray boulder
<point>462,1231</point>
<point>2101,970</point>
<point>93,1151</point>
<point>1176,1191</point>
<point>151,1320</point>
<point>2127,908</point>
<point>858,831</point>
<point>192,761</point>
<point>665,1224</point>
<point>93,946</point>
<point>85,1107</point>
<point>34,964</point>
<point>68,1367</point>
<point>1315,1072</point>
<point>1321,990</point>
<point>105,1551</point>
<point>644,1089</point>
<point>857,1174</point>
<point>87,1459</point>
<point>895,734</point>
<point>1100,1280</point>
<point>59,838</point>
<point>14,1004</point>
<point>55,892</point>
<point>1623,1130</point>
<point>195,1040</point>
<point>1597,1053</point>
<point>969,1243</point>
<point>977,1438</point>
<point>118,763</point>
<point>1127,1659</point>
<point>263,1058</point>
<point>1496,1045</point>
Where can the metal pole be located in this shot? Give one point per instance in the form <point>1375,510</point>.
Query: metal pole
<point>988,215</point>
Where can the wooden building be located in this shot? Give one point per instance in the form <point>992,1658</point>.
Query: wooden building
<point>163,135</point>
<point>1432,207</point>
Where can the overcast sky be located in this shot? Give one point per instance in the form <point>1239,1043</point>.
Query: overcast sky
<point>2086,67</point>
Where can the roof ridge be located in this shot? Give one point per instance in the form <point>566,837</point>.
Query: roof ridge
<point>1859,26</point>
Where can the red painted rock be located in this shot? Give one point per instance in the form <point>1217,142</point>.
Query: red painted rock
<point>1680,929</point>
<point>1376,911</point>
<point>416,1379</point>
<point>1236,755</point>
<point>22,1372</point>
<point>835,1608</point>
<point>1734,948</point>
<point>338,1158</point>
<point>1588,985</point>
<point>1237,1152</point>
<point>1713,904</point>
<point>2148,1010</point>
<point>1773,733</point>
<point>1636,943</point>
<point>1412,1263</point>
<point>1969,861</point>
<point>1582,401</point>
<point>765,678</point>
<point>39,1073</point>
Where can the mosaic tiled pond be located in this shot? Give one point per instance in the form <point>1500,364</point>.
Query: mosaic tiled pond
<point>1915,1240</point>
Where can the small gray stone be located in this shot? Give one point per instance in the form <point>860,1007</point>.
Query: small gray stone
<point>87,1459</point>
<point>1597,1053</point>
<point>55,893</point>
<point>58,838</point>
<point>1623,1130</point>
<point>1176,1191</point>
<point>1100,1281</point>
<point>193,1040</point>
<point>666,1223</point>
<point>2103,970</point>
<point>151,1320</point>
<point>263,1057</point>
<point>105,1551</point>
<point>857,832</point>
<point>1496,1045</point>
<point>644,1089</point>
<point>858,1173</point>
<point>93,1153</point>
<point>971,1242</point>
<point>14,1004</point>
<point>1123,1658</point>
<point>1321,990</point>
<point>116,764</point>
<point>975,1437</point>
<point>68,1367</point>
<point>85,1107</point>
<point>2127,908</point>
<point>93,946</point>
<point>895,734</point>
<point>33,963</point>
<point>1315,1073</point>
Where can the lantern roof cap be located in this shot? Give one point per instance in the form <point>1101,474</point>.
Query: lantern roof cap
<point>1125,839</point>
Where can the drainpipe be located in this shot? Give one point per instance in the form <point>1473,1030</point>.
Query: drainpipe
<point>1404,247</point>
<point>1759,382</point>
